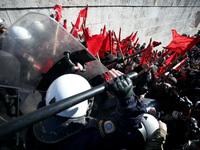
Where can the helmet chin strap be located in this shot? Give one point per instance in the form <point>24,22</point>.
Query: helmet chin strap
<point>90,105</point>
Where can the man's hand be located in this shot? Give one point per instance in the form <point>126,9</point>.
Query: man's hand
<point>162,125</point>
<point>78,67</point>
<point>120,85</point>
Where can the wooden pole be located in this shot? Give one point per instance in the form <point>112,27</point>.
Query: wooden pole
<point>86,16</point>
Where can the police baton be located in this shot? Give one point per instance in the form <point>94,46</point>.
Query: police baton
<point>27,120</point>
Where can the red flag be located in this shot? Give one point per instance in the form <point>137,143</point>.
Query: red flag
<point>171,58</point>
<point>87,34</point>
<point>104,32</point>
<point>65,24</point>
<point>81,16</point>
<point>157,74</point>
<point>58,14</point>
<point>130,51</point>
<point>83,22</point>
<point>125,46</point>
<point>77,24</point>
<point>58,7</point>
<point>74,31</point>
<point>106,44</point>
<point>128,37</point>
<point>114,51</point>
<point>160,71</point>
<point>146,55</point>
<point>83,12</point>
<point>136,42</point>
<point>181,44</point>
<point>118,43</point>
<point>94,42</point>
<point>133,37</point>
<point>165,53</point>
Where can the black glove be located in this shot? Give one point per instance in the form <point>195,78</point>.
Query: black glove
<point>122,88</point>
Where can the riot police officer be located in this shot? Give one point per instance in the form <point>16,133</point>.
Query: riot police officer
<point>72,129</point>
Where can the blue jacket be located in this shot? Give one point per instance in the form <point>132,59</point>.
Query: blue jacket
<point>118,131</point>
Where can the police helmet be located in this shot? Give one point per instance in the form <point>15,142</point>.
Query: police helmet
<point>69,121</point>
<point>149,126</point>
<point>37,25</point>
<point>20,33</point>
<point>1,21</point>
<point>66,86</point>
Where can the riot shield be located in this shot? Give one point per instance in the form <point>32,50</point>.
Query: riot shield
<point>37,42</point>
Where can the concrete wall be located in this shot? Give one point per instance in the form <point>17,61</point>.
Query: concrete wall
<point>151,18</point>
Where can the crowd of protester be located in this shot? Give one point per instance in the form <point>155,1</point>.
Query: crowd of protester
<point>185,75</point>
<point>180,75</point>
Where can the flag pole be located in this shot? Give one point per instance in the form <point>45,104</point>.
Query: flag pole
<point>110,39</point>
<point>102,73</point>
<point>120,34</point>
<point>118,43</point>
<point>85,16</point>
<point>73,28</point>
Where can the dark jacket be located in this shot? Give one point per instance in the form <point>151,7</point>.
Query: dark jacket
<point>118,131</point>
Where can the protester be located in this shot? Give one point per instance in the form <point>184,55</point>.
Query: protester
<point>129,67</point>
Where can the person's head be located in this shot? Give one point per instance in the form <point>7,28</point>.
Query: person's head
<point>106,53</point>
<point>184,72</point>
<point>144,44</point>
<point>129,67</point>
<point>159,53</point>
<point>160,60</point>
<point>137,59</point>
<point>70,120</point>
<point>171,80</point>
<point>184,34</point>
<point>149,126</point>
<point>119,55</point>
<point>137,46</point>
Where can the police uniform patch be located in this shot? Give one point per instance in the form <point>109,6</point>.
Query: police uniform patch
<point>109,127</point>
